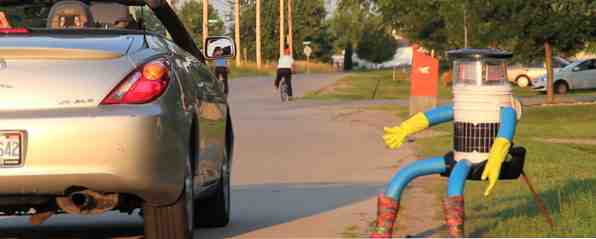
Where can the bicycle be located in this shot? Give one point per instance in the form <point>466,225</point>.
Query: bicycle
<point>221,79</point>
<point>283,89</point>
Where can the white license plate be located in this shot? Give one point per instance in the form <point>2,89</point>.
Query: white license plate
<point>10,148</point>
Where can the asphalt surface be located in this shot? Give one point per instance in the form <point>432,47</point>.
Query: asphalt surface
<point>290,163</point>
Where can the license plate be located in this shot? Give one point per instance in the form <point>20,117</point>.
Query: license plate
<point>10,148</point>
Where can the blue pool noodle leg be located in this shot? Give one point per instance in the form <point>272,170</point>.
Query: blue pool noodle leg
<point>409,172</point>
<point>457,179</point>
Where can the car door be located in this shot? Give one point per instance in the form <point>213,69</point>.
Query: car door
<point>212,116</point>
<point>590,75</point>
<point>582,75</point>
<point>535,70</point>
<point>212,110</point>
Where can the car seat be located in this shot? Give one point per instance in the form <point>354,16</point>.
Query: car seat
<point>112,15</point>
<point>70,14</point>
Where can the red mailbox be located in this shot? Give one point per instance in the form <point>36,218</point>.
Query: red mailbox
<point>424,74</point>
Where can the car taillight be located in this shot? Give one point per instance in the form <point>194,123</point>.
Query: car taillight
<point>142,86</point>
<point>14,30</point>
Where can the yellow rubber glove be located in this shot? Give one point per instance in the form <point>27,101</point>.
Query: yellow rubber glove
<point>497,155</point>
<point>394,137</point>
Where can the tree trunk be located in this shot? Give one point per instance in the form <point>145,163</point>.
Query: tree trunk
<point>348,58</point>
<point>549,72</point>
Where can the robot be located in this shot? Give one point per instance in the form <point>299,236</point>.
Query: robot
<point>485,116</point>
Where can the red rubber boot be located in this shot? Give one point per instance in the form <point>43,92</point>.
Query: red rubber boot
<point>454,216</point>
<point>387,212</point>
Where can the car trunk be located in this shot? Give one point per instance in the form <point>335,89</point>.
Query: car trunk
<point>43,72</point>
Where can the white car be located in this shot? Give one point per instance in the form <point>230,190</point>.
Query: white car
<point>524,75</point>
<point>577,75</point>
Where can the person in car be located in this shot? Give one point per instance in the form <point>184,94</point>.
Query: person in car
<point>70,15</point>
<point>4,23</point>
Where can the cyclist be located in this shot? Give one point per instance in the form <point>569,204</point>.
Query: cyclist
<point>285,67</point>
<point>4,23</point>
<point>221,67</point>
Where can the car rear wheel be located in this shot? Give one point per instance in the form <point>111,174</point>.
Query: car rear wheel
<point>214,211</point>
<point>174,221</point>
<point>523,81</point>
<point>561,88</point>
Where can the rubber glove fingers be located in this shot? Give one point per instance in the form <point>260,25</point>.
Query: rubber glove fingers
<point>492,171</point>
<point>394,137</point>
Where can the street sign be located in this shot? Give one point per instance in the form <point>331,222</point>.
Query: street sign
<point>306,43</point>
<point>307,51</point>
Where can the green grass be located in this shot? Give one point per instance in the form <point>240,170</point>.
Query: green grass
<point>362,85</point>
<point>523,92</point>
<point>563,174</point>
<point>248,69</point>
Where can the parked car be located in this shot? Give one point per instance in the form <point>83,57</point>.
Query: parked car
<point>522,75</point>
<point>99,114</point>
<point>578,75</point>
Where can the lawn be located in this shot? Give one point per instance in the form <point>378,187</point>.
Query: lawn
<point>564,175</point>
<point>369,85</point>
<point>362,86</point>
<point>248,69</point>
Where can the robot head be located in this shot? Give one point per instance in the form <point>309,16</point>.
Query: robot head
<point>479,67</point>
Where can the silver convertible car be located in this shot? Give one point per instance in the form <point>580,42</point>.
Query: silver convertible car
<point>101,112</point>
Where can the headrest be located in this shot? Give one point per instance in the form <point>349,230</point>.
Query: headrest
<point>109,14</point>
<point>70,14</point>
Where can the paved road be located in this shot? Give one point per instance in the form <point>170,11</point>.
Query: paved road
<point>302,169</point>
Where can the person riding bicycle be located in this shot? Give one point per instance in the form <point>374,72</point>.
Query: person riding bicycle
<point>285,67</point>
<point>221,67</point>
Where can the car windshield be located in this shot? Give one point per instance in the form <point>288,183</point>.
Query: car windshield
<point>78,15</point>
<point>572,65</point>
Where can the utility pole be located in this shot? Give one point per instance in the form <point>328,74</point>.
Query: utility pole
<point>281,28</point>
<point>258,34</point>
<point>237,29</point>
<point>205,20</point>
<point>466,43</point>
<point>290,33</point>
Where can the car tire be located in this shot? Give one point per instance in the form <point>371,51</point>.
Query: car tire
<point>561,87</point>
<point>214,211</point>
<point>523,81</point>
<point>173,221</point>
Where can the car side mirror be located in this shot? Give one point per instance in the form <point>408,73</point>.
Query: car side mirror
<point>577,68</point>
<point>219,47</point>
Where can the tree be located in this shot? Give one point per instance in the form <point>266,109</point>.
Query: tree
<point>542,28</point>
<point>349,21</point>
<point>348,63</point>
<point>422,22</point>
<point>192,16</point>
<point>352,20</point>
<point>308,24</point>
<point>377,46</point>
<point>149,21</point>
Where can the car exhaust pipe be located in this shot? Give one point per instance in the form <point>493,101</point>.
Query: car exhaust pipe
<point>87,202</point>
